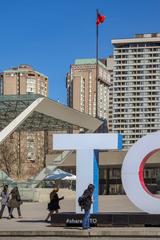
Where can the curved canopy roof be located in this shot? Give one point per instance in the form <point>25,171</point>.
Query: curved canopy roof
<point>38,113</point>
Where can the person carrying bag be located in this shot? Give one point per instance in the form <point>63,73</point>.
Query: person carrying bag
<point>53,205</point>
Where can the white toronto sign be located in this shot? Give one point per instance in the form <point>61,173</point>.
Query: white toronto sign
<point>132,173</point>
<point>87,167</point>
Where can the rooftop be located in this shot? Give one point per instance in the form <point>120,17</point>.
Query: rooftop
<point>88,61</point>
<point>23,68</point>
<point>147,35</point>
<point>139,38</point>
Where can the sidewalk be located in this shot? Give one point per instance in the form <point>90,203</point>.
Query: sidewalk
<point>41,229</point>
<point>32,224</point>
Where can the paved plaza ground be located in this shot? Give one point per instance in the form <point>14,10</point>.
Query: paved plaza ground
<point>35,213</point>
<point>32,225</point>
<point>77,238</point>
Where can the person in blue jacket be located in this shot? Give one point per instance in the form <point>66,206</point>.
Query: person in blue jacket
<point>88,193</point>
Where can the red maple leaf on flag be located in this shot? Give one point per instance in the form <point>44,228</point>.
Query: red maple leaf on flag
<point>100,19</point>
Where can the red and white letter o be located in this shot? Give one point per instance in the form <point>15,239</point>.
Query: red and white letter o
<point>132,173</point>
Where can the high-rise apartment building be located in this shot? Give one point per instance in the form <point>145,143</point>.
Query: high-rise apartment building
<point>136,88</point>
<point>25,80</point>
<point>81,87</point>
<point>109,64</point>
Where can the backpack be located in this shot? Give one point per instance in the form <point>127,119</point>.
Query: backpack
<point>82,201</point>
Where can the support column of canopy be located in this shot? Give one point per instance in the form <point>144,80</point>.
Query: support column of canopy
<point>12,126</point>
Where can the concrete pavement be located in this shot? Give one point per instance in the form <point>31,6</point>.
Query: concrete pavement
<point>47,231</point>
<point>32,224</point>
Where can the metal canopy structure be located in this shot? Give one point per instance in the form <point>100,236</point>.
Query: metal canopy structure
<point>38,113</point>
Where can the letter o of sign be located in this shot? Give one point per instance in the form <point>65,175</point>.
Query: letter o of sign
<point>132,173</point>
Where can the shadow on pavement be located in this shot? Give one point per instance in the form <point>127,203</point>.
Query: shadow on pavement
<point>31,221</point>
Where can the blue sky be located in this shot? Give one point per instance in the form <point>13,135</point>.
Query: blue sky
<point>51,34</point>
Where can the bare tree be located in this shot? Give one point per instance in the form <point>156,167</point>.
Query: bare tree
<point>8,156</point>
<point>14,155</point>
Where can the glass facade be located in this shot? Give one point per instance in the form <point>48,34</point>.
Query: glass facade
<point>110,179</point>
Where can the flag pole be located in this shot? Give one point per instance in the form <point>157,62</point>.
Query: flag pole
<point>96,66</point>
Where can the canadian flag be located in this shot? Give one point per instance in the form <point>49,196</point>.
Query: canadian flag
<point>100,19</point>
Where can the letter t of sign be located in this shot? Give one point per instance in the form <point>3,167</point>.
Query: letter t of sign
<point>87,167</point>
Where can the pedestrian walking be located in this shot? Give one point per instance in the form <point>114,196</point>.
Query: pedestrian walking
<point>53,205</point>
<point>5,198</point>
<point>15,202</point>
<point>87,195</point>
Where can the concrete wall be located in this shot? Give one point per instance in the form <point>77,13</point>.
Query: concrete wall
<point>110,158</point>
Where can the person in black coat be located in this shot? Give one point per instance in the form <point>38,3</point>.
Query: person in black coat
<point>53,205</point>
<point>87,206</point>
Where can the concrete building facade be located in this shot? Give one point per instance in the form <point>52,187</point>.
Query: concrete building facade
<point>23,80</point>
<point>81,87</point>
<point>136,87</point>
<point>30,145</point>
<point>110,64</point>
